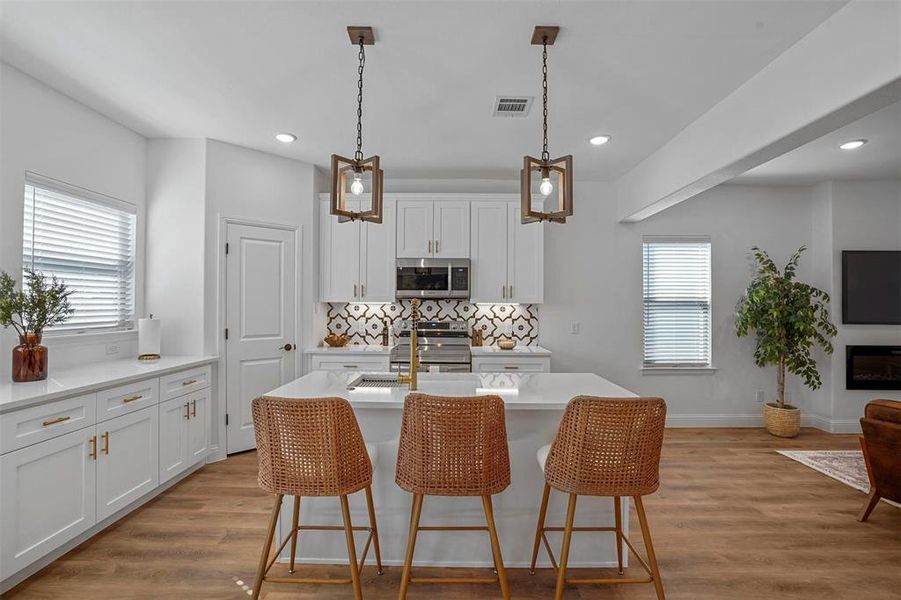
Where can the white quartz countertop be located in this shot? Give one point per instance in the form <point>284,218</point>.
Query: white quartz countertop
<point>520,391</point>
<point>350,349</point>
<point>72,381</point>
<point>518,350</point>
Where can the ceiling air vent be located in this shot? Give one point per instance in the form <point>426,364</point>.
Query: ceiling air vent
<point>512,106</point>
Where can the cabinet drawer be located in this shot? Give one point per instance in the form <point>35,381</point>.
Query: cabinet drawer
<point>127,399</point>
<point>184,382</point>
<point>350,363</point>
<point>516,365</point>
<point>28,426</point>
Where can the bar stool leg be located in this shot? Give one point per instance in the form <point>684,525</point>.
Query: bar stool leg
<point>375,529</point>
<point>649,546</point>
<point>415,512</point>
<point>496,547</point>
<point>564,553</point>
<point>617,508</point>
<point>351,549</point>
<point>542,513</point>
<point>294,533</point>
<point>264,555</point>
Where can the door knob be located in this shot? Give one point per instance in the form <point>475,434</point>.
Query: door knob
<point>288,347</point>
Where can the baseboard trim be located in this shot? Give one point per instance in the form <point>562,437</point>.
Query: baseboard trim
<point>749,421</point>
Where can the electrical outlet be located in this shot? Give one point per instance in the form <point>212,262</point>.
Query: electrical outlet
<point>761,397</point>
<point>574,328</point>
<point>113,349</point>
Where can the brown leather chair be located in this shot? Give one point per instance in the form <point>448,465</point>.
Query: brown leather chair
<point>881,445</point>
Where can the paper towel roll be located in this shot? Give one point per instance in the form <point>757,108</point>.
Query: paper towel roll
<point>148,338</point>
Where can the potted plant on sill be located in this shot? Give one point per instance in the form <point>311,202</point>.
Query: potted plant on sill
<point>788,317</point>
<point>40,304</point>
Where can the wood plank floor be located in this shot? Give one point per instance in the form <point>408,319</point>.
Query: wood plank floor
<point>732,520</point>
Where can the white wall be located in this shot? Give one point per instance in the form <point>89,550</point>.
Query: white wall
<point>46,132</point>
<point>594,277</point>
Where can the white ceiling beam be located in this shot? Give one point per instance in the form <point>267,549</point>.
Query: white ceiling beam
<point>843,70</point>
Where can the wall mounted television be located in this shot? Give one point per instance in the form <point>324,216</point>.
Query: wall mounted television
<point>871,287</point>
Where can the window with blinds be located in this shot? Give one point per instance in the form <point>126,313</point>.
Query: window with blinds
<point>88,241</point>
<point>676,302</point>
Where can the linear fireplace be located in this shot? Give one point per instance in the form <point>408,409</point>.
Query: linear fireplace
<point>873,367</point>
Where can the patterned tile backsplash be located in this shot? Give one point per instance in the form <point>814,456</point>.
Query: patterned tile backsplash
<point>364,322</point>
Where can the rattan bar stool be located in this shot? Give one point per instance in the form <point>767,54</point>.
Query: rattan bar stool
<point>603,447</point>
<point>312,447</point>
<point>451,446</point>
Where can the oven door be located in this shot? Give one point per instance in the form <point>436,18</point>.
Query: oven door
<point>425,278</point>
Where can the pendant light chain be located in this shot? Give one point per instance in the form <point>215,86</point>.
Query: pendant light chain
<point>545,155</point>
<point>359,153</point>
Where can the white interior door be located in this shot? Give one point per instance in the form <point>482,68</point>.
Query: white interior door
<point>489,252</point>
<point>260,319</point>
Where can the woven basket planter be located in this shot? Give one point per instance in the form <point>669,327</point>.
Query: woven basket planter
<point>782,422</point>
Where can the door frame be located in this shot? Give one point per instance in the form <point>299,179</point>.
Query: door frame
<point>219,451</point>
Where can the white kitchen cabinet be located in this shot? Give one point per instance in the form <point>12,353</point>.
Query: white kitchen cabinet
<point>511,363</point>
<point>356,258</point>
<point>127,459</point>
<point>350,362</point>
<point>507,256</point>
<point>433,228</point>
<point>128,398</point>
<point>199,427</point>
<point>47,497</point>
<point>174,416</point>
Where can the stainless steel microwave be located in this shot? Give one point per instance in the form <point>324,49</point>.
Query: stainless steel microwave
<point>432,278</point>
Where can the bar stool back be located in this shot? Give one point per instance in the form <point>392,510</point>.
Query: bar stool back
<point>604,447</point>
<point>452,446</point>
<point>312,447</point>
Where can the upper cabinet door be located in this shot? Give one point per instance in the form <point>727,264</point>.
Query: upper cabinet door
<point>489,252</point>
<point>339,243</point>
<point>451,229</point>
<point>377,252</point>
<point>415,233</point>
<point>525,263</point>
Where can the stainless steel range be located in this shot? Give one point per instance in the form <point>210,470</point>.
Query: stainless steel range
<point>442,344</point>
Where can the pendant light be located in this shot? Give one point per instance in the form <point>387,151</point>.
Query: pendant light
<point>355,179</point>
<point>549,182</point>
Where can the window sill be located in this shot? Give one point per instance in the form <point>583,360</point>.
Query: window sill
<point>97,337</point>
<point>678,370</point>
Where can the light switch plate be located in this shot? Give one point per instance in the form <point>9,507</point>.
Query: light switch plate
<point>574,328</point>
<point>113,349</point>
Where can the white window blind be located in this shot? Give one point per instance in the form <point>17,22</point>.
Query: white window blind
<point>676,302</point>
<point>88,241</point>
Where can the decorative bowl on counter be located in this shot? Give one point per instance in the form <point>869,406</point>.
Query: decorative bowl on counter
<point>507,344</point>
<point>336,341</point>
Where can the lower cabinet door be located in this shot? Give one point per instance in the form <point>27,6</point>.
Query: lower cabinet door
<point>199,427</point>
<point>47,497</point>
<point>127,459</point>
<point>174,417</point>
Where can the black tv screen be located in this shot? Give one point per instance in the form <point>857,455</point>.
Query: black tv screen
<point>871,287</point>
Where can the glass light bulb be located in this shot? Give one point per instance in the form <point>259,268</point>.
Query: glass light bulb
<point>546,187</point>
<point>356,188</point>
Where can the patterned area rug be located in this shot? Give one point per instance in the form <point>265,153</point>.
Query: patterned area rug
<point>846,466</point>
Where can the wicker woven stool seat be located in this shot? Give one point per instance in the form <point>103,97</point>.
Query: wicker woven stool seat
<point>313,447</point>
<point>603,447</point>
<point>451,446</point>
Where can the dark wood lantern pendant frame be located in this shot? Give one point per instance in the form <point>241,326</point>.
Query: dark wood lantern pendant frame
<point>545,168</point>
<point>343,166</point>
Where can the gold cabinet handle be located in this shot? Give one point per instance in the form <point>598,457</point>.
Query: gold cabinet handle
<point>56,420</point>
<point>187,410</point>
<point>436,246</point>
<point>430,246</point>
<point>511,368</point>
<point>132,399</point>
<point>193,408</point>
<point>503,291</point>
<point>355,290</point>
<point>511,292</point>
<point>93,453</point>
<point>105,437</point>
<point>189,382</point>
<point>362,290</point>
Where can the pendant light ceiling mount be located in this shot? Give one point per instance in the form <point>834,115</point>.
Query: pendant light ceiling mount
<point>350,176</point>
<point>545,171</point>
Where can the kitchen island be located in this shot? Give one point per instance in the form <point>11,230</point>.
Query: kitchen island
<point>534,404</point>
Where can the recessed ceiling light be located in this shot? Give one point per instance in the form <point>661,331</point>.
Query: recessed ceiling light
<point>599,140</point>
<point>853,144</point>
<point>285,138</point>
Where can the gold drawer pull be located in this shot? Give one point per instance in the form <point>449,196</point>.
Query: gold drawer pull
<point>105,437</point>
<point>189,382</point>
<point>132,399</point>
<point>93,453</point>
<point>56,420</point>
<point>193,408</point>
<point>511,368</point>
<point>187,410</point>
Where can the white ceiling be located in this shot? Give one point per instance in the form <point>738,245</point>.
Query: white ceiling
<point>823,160</point>
<point>240,71</point>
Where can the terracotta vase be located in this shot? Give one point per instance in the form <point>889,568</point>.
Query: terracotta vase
<point>29,359</point>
